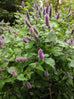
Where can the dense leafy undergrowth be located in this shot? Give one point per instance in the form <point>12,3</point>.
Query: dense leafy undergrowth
<point>37,55</point>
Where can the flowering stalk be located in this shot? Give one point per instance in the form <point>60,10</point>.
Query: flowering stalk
<point>29,85</point>
<point>40,54</point>
<point>72,30</point>
<point>58,15</point>
<point>36,30</point>
<point>22,59</point>
<point>28,15</point>
<point>69,9</point>
<point>29,38</point>
<point>40,13</point>
<point>47,19</point>
<point>44,11</point>
<point>36,6</point>
<point>27,23</point>
<point>36,37</point>
<point>14,73</point>
<point>47,8</point>
<point>23,5</point>
<point>33,16</point>
<point>31,30</point>
<point>50,10</point>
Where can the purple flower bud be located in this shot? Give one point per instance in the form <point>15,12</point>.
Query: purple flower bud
<point>9,30</point>
<point>17,60</point>
<point>36,22</point>
<point>40,54</point>
<point>7,45</point>
<point>24,84</point>
<point>14,32</point>
<point>4,24</point>
<point>65,40</point>
<point>69,28</point>
<point>33,16</point>
<point>17,11</point>
<point>31,30</point>
<point>0,69</point>
<point>3,36</point>
<point>72,30</point>
<point>53,69</point>
<point>65,7</point>
<point>1,42</point>
<point>50,10</point>
<point>1,46</point>
<point>36,37</point>
<point>47,8</point>
<point>58,15</point>
<point>23,5</point>
<point>2,29</point>
<point>28,15</point>
<point>40,13</point>
<point>27,23</point>
<point>36,30</point>
<point>47,19</point>
<point>69,9</point>
<point>69,14</point>
<point>20,16</point>
<point>44,11</point>
<point>36,63</point>
<point>29,85</point>
<point>43,28</point>
<point>51,44</point>
<point>46,74</point>
<point>0,23</point>
<point>68,75</point>
<point>36,12</point>
<point>2,76</point>
<point>24,40</point>
<point>29,38</point>
<point>14,73</point>
<point>36,6</point>
<point>68,24</point>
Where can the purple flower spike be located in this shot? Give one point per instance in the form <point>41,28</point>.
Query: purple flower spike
<point>23,5</point>
<point>24,84</point>
<point>36,37</point>
<point>47,19</point>
<point>47,8</point>
<point>29,85</point>
<point>65,7</point>
<point>1,46</point>
<point>44,11</point>
<point>36,30</point>
<point>50,10</point>
<point>31,30</point>
<point>2,29</point>
<point>40,13</point>
<point>28,15</point>
<point>24,40</point>
<point>33,16</point>
<point>36,6</point>
<point>0,69</point>
<point>68,75</point>
<point>69,9</point>
<point>40,54</point>
<point>43,28</point>
<point>36,22</point>
<point>27,23</point>
<point>9,30</point>
<point>17,11</point>
<point>29,38</point>
<point>58,15</point>
<point>1,42</point>
<point>0,23</point>
<point>72,30</point>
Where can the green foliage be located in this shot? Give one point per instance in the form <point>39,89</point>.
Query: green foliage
<point>30,67</point>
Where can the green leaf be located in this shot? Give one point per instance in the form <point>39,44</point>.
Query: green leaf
<point>21,77</point>
<point>40,68</point>
<point>72,63</point>
<point>51,37</point>
<point>50,62</point>
<point>1,84</point>
<point>12,68</point>
<point>70,81</point>
<point>29,45</point>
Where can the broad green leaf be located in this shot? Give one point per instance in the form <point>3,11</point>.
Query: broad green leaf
<point>50,62</point>
<point>1,84</point>
<point>72,63</point>
<point>21,77</point>
<point>51,37</point>
<point>40,68</point>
